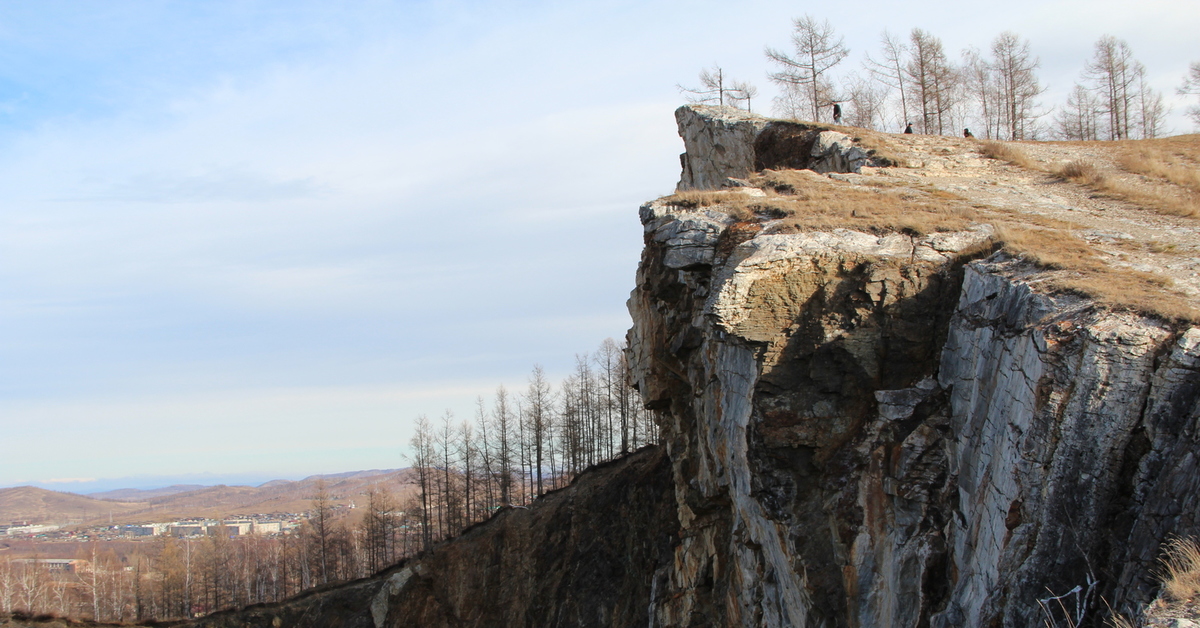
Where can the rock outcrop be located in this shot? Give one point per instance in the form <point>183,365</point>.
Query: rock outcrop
<point>882,430</point>
<point>724,145</point>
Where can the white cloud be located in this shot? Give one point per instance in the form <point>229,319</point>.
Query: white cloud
<point>215,237</point>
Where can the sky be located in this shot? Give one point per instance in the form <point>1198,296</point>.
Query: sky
<point>243,240</point>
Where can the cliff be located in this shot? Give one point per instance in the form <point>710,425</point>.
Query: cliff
<point>899,383</point>
<point>872,426</point>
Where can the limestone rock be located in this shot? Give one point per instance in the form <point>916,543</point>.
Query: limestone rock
<point>868,432</point>
<point>724,145</point>
<point>719,143</point>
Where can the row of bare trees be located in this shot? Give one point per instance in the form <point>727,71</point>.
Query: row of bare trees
<point>914,81</point>
<point>182,577</point>
<point>516,448</point>
<point>523,445</point>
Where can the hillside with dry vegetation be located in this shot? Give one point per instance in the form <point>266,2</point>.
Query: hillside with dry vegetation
<point>27,503</point>
<point>36,505</point>
<point>1115,221</point>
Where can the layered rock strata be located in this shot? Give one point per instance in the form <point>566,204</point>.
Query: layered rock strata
<point>883,430</point>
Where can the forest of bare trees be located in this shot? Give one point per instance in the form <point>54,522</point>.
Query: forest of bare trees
<point>522,445</point>
<point>516,447</point>
<point>995,92</point>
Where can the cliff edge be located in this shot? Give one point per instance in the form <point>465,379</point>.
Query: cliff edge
<point>883,406</point>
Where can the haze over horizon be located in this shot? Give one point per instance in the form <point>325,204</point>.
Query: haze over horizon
<point>257,239</point>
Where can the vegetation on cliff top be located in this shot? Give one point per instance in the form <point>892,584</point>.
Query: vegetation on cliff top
<point>1167,182</point>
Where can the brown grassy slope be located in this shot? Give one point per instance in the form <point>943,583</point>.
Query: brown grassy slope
<point>215,501</point>
<point>39,505</point>
<point>1165,172</point>
<point>282,497</point>
<point>803,201</point>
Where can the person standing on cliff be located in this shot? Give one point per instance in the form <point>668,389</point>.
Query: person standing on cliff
<point>837,113</point>
<point>908,129</point>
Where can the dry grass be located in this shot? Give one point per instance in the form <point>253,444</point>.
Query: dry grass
<point>1117,621</point>
<point>1179,172</point>
<point>1173,178</point>
<point>1008,152</point>
<point>1081,172</point>
<point>1181,569</point>
<point>1159,164</point>
<point>1051,249</point>
<point>879,147</point>
<point>1086,275</point>
<point>805,201</point>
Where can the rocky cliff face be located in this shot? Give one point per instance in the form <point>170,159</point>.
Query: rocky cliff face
<point>723,145</point>
<point>886,429</point>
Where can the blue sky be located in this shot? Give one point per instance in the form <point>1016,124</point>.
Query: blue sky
<point>257,239</point>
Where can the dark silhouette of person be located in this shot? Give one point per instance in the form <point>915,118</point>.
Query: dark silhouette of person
<point>908,129</point>
<point>837,113</point>
<point>967,133</point>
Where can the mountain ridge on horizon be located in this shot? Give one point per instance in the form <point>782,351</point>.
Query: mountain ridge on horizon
<point>41,505</point>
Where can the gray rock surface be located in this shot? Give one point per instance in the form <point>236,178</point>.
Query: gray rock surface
<point>719,145</point>
<point>725,145</point>
<point>867,432</point>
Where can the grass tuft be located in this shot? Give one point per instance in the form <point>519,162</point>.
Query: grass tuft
<point>1008,152</point>
<point>1181,569</point>
<point>1080,172</point>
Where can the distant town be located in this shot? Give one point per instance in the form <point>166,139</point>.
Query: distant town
<point>261,524</point>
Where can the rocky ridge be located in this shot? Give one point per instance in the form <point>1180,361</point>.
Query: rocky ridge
<point>882,429</point>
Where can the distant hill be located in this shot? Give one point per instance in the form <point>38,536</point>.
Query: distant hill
<point>38,505</point>
<point>183,501</point>
<point>140,495</point>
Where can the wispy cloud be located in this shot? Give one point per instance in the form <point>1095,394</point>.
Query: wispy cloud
<point>217,242</point>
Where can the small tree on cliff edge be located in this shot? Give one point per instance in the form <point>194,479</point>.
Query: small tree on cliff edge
<point>817,51</point>
<point>716,87</point>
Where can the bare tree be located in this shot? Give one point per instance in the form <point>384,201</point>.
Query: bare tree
<point>451,503</point>
<point>889,69</point>
<point>1017,84</point>
<point>865,100</point>
<point>933,79</point>
<point>537,413</point>
<point>1191,87</point>
<point>467,456</point>
<point>742,92</point>
<point>423,460</point>
<point>1079,118</point>
<point>713,87</point>
<point>504,445</point>
<point>377,527</point>
<point>321,520</point>
<point>817,52</point>
<point>487,457</point>
<point>1111,72</point>
<point>1150,109</point>
<point>978,79</point>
